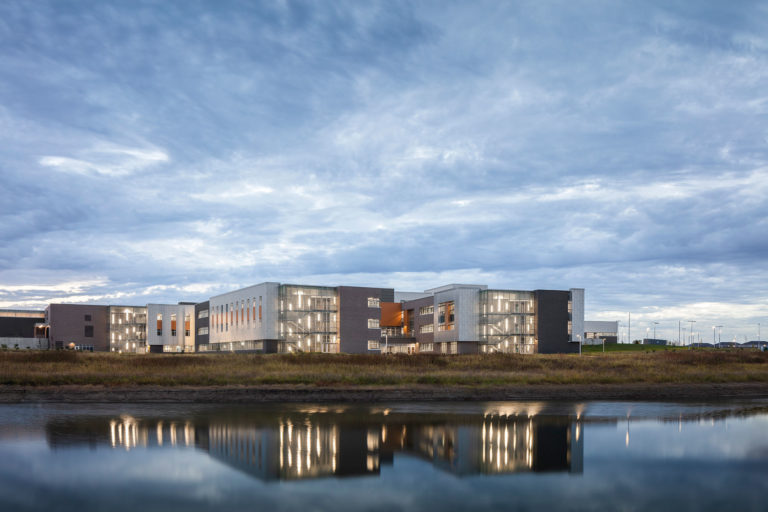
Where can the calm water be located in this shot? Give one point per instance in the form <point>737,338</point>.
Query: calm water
<point>443,457</point>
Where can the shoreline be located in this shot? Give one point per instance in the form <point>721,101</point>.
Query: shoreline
<point>10,394</point>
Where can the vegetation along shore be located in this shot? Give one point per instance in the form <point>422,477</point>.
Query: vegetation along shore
<point>680,374</point>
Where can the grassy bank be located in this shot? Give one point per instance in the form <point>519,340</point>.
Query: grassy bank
<point>59,368</point>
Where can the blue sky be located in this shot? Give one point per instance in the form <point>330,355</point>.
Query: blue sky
<point>167,151</point>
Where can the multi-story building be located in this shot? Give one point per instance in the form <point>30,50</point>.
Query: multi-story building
<point>274,317</point>
<point>467,319</point>
<point>452,319</point>
<point>171,327</point>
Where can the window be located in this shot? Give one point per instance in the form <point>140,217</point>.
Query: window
<point>187,322</point>
<point>373,302</point>
<point>445,318</point>
<point>427,328</point>
<point>373,345</point>
<point>87,318</point>
<point>159,324</point>
<point>427,310</point>
<point>373,323</point>
<point>173,324</point>
<point>203,313</point>
<point>88,331</point>
<point>202,331</point>
<point>426,347</point>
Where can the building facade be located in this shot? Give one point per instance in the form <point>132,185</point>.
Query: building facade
<point>273,317</point>
<point>78,326</point>
<point>171,327</point>
<point>22,329</point>
<point>127,329</point>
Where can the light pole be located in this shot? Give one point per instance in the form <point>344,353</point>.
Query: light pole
<point>579,336</point>
<point>692,322</point>
<point>719,334</point>
<point>654,329</point>
<point>713,335</point>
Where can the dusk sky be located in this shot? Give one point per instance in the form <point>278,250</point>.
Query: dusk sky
<point>167,151</point>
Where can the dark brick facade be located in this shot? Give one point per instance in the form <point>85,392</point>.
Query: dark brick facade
<point>354,314</point>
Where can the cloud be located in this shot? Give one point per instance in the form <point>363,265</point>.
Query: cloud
<point>184,151</point>
<point>107,160</point>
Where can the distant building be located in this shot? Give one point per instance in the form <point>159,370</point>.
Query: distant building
<point>652,341</point>
<point>596,332</point>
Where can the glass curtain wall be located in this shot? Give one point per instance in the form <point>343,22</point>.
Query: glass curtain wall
<point>128,329</point>
<point>308,319</point>
<point>507,321</point>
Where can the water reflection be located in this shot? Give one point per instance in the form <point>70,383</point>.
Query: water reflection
<point>318,442</point>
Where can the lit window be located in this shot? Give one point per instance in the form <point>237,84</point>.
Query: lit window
<point>373,345</point>
<point>203,313</point>
<point>427,328</point>
<point>445,318</point>
<point>427,310</point>
<point>373,323</point>
<point>173,324</point>
<point>373,302</point>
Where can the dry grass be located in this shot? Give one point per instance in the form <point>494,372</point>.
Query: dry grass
<point>64,367</point>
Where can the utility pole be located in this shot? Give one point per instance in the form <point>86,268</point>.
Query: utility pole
<point>629,328</point>
<point>654,329</point>
<point>719,334</point>
<point>679,339</point>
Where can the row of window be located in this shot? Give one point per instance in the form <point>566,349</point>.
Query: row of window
<point>427,328</point>
<point>427,310</point>
<point>236,313</point>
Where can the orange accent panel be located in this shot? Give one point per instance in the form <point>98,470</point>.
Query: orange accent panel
<point>173,325</point>
<point>159,325</point>
<point>391,314</point>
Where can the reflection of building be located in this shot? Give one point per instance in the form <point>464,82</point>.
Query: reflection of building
<point>497,445</point>
<point>298,445</point>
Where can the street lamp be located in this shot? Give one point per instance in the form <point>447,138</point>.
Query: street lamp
<point>719,334</point>
<point>654,329</point>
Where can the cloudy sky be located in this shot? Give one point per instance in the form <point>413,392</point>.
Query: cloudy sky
<point>167,151</point>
